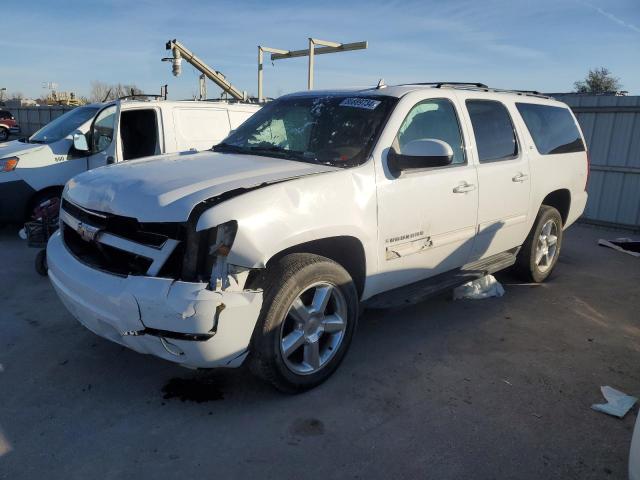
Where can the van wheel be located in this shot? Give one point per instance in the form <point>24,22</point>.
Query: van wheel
<point>4,134</point>
<point>541,250</point>
<point>39,199</point>
<point>308,317</point>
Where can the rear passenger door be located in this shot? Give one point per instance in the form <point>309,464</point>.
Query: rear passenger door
<point>503,178</point>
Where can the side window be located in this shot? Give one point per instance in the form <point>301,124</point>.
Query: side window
<point>493,129</point>
<point>552,128</point>
<point>434,118</point>
<point>103,129</point>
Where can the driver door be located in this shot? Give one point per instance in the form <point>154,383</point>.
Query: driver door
<point>103,137</point>
<point>427,218</point>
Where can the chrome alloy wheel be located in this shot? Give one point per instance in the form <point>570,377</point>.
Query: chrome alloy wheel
<point>547,246</point>
<point>314,328</point>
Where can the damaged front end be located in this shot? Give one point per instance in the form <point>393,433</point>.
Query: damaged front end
<point>159,288</point>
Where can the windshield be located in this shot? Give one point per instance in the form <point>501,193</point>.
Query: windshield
<point>331,129</point>
<point>63,125</point>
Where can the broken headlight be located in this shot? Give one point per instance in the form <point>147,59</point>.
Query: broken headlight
<point>218,251</point>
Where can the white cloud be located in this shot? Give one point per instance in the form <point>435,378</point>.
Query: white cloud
<point>613,18</point>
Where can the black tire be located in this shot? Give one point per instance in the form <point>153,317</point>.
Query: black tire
<point>4,134</point>
<point>41,263</point>
<point>526,266</point>
<point>285,281</point>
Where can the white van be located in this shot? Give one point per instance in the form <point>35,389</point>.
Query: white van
<point>35,169</point>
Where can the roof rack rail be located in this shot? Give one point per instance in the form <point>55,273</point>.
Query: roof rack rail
<point>529,93</point>
<point>446,84</point>
<point>479,86</point>
<point>135,95</point>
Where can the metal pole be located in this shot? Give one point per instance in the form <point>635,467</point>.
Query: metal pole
<point>312,47</point>
<point>203,87</point>
<point>312,52</point>
<point>260,59</point>
<point>261,51</point>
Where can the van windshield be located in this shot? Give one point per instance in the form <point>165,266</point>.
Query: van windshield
<point>335,130</point>
<point>63,125</point>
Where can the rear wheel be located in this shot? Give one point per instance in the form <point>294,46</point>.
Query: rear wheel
<point>540,252</point>
<point>309,314</point>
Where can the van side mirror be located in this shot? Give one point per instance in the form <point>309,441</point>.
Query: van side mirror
<point>419,154</point>
<point>80,141</point>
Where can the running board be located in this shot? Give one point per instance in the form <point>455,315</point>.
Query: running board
<point>422,290</point>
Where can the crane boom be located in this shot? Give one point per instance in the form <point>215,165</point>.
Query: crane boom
<point>179,52</point>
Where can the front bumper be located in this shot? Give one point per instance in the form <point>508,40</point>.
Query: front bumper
<point>15,195</point>
<point>15,129</point>
<point>159,316</point>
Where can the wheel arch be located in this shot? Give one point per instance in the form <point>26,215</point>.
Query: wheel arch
<point>53,189</point>
<point>346,250</point>
<point>560,200</point>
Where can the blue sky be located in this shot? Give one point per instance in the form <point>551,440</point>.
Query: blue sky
<point>543,45</point>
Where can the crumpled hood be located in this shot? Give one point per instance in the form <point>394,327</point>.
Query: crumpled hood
<point>16,147</point>
<point>166,188</point>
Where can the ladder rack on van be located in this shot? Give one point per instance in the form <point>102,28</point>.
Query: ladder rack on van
<point>478,86</point>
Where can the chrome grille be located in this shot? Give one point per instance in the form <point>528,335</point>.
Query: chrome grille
<point>119,245</point>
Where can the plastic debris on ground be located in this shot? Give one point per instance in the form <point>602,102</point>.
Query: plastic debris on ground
<point>484,287</point>
<point>618,403</point>
<point>624,245</point>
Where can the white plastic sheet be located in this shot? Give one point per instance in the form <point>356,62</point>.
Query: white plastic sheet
<point>618,403</point>
<point>484,287</point>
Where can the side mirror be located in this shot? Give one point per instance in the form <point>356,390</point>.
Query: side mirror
<point>419,154</point>
<point>80,141</point>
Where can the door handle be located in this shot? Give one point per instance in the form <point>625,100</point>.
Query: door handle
<point>520,177</point>
<point>110,160</point>
<point>464,187</point>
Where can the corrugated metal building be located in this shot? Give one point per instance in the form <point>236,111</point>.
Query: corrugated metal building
<point>611,126</point>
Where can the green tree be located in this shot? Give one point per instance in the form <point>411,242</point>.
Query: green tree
<point>598,80</point>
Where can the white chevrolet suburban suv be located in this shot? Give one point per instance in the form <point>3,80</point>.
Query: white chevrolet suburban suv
<point>267,247</point>
<point>34,170</point>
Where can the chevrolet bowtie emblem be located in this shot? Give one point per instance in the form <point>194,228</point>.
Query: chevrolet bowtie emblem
<point>87,232</point>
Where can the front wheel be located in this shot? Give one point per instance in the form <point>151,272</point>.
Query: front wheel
<point>4,134</point>
<point>541,250</point>
<point>308,317</point>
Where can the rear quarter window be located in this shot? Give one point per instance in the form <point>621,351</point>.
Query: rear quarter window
<point>553,129</point>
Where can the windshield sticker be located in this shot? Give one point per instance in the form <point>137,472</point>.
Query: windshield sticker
<point>365,103</point>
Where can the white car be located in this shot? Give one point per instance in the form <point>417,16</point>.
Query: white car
<point>35,169</point>
<point>267,247</point>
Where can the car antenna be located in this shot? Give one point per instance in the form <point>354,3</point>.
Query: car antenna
<point>381,84</point>
<point>106,96</point>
